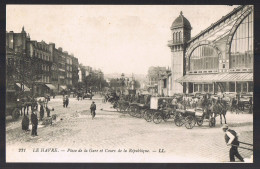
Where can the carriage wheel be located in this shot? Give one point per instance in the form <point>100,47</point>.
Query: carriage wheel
<point>125,109</point>
<point>178,121</point>
<point>190,122</point>
<point>148,116</point>
<point>136,112</point>
<point>128,109</point>
<point>157,118</point>
<point>142,113</point>
<point>200,122</point>
<point>139,113</point>
<point>173,115</point>
<point>167,117</point>
<point>15,114</point>
<point>132,111</point>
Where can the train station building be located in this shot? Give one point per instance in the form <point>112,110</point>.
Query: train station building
<point>219,59</point>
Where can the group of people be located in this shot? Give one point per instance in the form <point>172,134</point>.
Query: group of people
<point>34,119</point>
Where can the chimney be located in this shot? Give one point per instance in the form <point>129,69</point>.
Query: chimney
<point>60,49</point>
<point>52,44</point>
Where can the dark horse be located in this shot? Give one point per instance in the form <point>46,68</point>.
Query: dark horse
<point>219,108</point>
<point>27,102</point>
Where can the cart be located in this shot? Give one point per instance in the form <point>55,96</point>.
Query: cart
<point>191,117</point>
<point>122,106</point>
<point>13,105</point>
<point>159,110</point>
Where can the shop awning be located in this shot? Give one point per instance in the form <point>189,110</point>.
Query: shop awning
<point>50,86</point>
<point>220,77</point>
<point>26,89</point>
<point>63,87</point>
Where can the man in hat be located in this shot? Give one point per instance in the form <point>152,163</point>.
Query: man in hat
<point>67,101</point>
<point>34,121</point>
<point>231,138</point>
<point>64,101</point>
<point>93,109</point>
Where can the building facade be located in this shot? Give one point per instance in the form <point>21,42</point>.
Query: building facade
<point>17,61</point>
<point>154,75</point>
<point>42,57</point>
<point>68,69</point>
<point>41,68</point>
<point>75,71</point>
<point>219,59</point>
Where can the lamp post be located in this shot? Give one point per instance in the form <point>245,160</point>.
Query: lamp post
<point>122,82</point>
<point>100,80</point>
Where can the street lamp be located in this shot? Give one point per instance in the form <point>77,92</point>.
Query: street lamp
<point>122,82</point>
<point>100,73</point>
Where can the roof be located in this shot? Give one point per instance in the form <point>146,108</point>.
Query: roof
<point>181,21</point>
<point>216,23</point>
<point>220,77</point>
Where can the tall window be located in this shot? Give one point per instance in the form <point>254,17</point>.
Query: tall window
<point>204,58</point>
<point>241,53</point>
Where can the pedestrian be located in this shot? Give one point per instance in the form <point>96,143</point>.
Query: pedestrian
<point>231,138</point>
<point>64,101</point>
<point>93,109</point>
<point>25,123</point>
<point>34,121</point>
<point>41,112</point>
<point>48,111</point>
<point>67,101</point>
<point>250,105</point>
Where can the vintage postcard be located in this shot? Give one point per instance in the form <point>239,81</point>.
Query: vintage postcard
<point>129,83</point>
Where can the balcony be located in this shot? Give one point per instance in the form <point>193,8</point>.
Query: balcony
<point>175,42</point>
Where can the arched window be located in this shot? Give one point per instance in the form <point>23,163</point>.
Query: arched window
<point>180,37</point>
<point>177,37</point>
<point>241,53</point>
<point>173,37</point>
<point>204,57</point>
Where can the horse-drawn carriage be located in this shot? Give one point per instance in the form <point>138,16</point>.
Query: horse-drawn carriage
<point>87,95</point>
<point>13,105</point>
<point>191,117</point>
<point>160,109</point>
<point>121,105</point>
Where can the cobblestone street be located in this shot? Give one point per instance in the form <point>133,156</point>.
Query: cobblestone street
<point>110,130</point>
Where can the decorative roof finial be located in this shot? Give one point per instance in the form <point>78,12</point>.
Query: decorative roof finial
<point>23,30</point>
<point>181,13</point>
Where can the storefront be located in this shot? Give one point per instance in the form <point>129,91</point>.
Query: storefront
<point>214,83</point>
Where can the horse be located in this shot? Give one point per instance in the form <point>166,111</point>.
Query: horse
<point>219,108</point>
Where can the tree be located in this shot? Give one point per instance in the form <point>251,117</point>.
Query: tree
<point>95,79</point>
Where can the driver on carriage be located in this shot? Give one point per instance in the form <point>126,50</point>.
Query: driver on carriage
<point>163,105</point>
<point>174,103</point>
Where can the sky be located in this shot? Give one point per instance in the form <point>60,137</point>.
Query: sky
<point>115,38</point>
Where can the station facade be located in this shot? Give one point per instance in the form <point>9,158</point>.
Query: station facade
<point>219,59</point>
